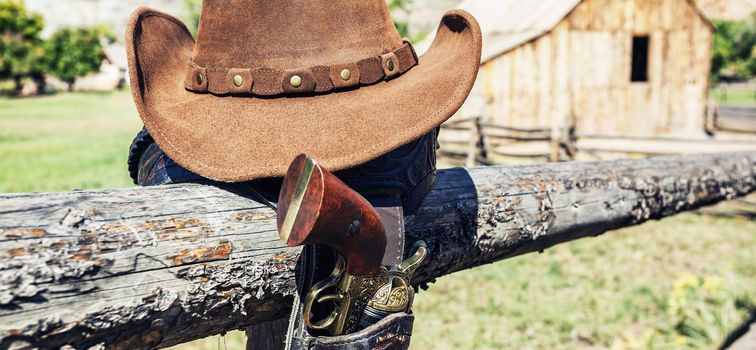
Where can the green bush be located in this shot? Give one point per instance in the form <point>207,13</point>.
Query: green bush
<point>193,8</point>
<point>734,53</point>
<point>21,48</point>
<point>396,6</point>
<point>74,52</point>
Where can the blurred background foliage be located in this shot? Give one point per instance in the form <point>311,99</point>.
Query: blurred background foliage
<point>21,48</point>
<point>404,7</point>
<point>193,8</point>
<point>734,51</point>
<point>69,54</point>
<point>74,52</point>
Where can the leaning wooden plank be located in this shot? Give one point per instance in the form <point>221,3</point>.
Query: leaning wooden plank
<point>154,267</point>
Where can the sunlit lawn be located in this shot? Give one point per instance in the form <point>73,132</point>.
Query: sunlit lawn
<point>66,141</point>
<point>734,95</point>
<point>682,283</point>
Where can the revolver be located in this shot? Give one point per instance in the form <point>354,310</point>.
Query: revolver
<point>315,207</point>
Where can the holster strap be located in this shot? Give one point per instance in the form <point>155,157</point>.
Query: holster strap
<point>264,81</point>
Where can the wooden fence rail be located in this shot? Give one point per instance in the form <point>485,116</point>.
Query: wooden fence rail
<point>486,143</point>
<point>154,267</point>
<point>736,118</point>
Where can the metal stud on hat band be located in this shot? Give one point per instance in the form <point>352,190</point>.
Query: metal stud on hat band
<point>265,81</point>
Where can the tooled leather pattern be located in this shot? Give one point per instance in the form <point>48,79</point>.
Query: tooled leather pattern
<point>393,332</point>
<point>407,173</point>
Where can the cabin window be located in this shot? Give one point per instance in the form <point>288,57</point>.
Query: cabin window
<point>640,59</point>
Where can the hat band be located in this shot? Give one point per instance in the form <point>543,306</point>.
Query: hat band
<point>269,81</point>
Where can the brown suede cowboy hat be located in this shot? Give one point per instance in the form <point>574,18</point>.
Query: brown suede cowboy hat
<point>268,80</point>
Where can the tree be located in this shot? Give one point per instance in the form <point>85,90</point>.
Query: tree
<point>20,45</point>
<point>193,14</point>
<point>734,53</point>
<point>405,6</point>
<point>74,52</point>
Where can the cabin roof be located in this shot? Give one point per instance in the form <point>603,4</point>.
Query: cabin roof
<point>507,24</point>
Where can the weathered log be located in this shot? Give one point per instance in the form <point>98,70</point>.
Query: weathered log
<point>153,267</point>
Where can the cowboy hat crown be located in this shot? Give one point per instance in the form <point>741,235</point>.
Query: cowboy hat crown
<point>295,47</point>
<point>290,34</point>
<point>268,80</point>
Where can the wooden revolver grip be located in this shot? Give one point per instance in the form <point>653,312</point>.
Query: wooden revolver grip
<point>315,207</point>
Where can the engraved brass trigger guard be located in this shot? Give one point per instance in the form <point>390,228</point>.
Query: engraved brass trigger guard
<point>318,288</point>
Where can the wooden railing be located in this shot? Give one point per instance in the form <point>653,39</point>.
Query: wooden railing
<point>736,118</point>
<point>470,141</point>
<point>478,142</point>
<point>143,268</point>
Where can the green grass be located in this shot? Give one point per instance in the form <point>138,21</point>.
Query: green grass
<point>66,141</point>
<point>734,95</point>
<point>684,282</point>
<point>614,291</point>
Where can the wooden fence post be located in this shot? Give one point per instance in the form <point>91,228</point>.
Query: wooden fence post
<point>710,119</point>
<point>559,137</point>
<point>473,143</point>
<point>269,335</point>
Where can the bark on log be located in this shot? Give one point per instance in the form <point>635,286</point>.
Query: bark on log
<point>154,267</point>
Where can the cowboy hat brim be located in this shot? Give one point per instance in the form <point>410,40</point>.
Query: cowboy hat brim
<point>231,138</point>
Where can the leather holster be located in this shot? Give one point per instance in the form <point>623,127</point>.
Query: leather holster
<point>392,332</point>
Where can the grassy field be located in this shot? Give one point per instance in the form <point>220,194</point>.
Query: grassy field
<point>685,282</point>
<point>66,141</point>
<point>734,95</point>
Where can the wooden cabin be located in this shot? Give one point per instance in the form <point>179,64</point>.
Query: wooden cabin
<point>607,67</point>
